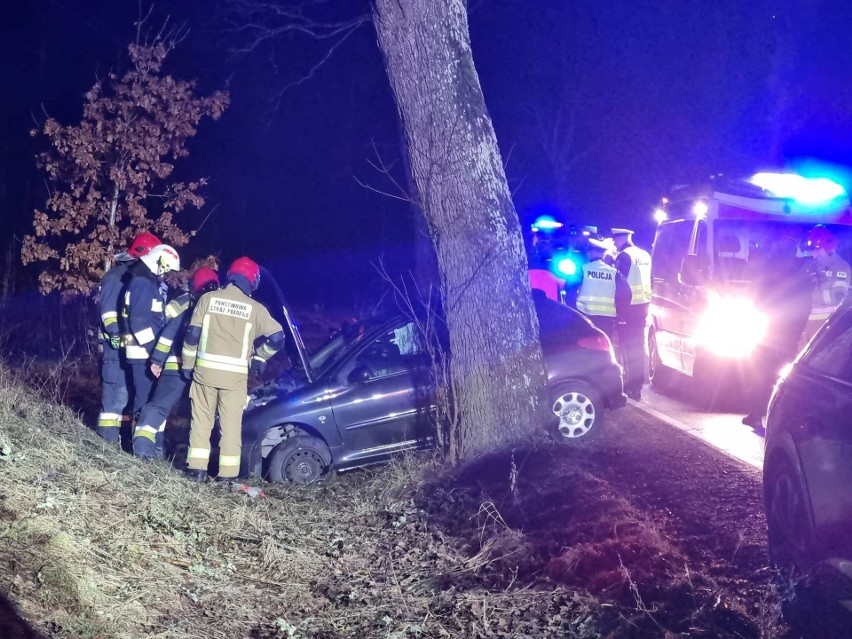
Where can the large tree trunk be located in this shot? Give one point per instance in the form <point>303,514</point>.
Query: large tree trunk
<point>497,367</point>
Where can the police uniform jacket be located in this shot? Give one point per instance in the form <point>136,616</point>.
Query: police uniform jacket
<point>219,342</point>
<point>597,294</point>
<point>635,265</point>
<point>143,313</point>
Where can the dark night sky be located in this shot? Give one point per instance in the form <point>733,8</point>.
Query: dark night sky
<point>670,91</point>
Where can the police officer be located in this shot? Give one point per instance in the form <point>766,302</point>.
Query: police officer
<point>831,279</point>
<point>634,264</point>
<point>144,317</point>
<point>165,366</point>
<point>216,352</point>
<point>604,292</point>
<point>114,396</point>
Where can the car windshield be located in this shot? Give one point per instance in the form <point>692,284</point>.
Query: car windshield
<point>343,341</point>
<point>739,243</point>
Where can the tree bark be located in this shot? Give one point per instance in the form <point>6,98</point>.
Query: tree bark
<point>497,367</point>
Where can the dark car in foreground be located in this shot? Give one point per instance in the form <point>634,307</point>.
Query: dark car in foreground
<point>807,477</point>
<point>368,393</point>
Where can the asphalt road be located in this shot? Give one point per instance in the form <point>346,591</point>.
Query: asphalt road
<point>723,431</point>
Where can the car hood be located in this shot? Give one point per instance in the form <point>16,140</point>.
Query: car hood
<point>293,332</point>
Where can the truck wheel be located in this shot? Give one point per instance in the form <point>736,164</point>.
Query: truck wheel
<point>660,376</point>
<point>299,460</point>
<point>580,411</point>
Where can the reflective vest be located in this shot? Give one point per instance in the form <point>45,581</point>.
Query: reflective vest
<point>639,276</point>
<point>597,291</point>
<point>832,285</point>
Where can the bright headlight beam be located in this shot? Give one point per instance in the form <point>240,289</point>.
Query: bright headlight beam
<point>731,327</point>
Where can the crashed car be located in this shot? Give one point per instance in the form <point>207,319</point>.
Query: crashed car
<point>368,394</point>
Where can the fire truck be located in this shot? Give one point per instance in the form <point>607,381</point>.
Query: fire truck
<point>702,321</point>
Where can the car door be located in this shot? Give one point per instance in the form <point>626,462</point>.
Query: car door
<point>818,410</point>
<point>384,398</point>
<point>671,297</point>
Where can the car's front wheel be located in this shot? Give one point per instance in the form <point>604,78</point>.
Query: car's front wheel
<point>299,460</point>
<point>579,408</point>
<point>661,376</point>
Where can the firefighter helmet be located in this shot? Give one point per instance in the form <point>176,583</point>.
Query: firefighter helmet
<point>820,237</point>
<point>141,244</point>
<point>203,278</point>
<point>162,259</point>
<point>246,267</point>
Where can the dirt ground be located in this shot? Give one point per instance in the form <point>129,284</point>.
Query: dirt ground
<point>645,533</point>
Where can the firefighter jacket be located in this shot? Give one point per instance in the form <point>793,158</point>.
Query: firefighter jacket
<point>170,343</point>
<point>635,265</point>
<point>832,284</point>
<point>221,336</point>
<point>603,291</point>
<point>109,301</point>
<point>142,313</point>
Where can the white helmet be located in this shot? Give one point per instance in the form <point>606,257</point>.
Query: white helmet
<point>161,259</point>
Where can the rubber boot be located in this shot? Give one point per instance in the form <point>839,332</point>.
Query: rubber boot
<point>144,448</point>
<point>111,434</point>
<point>198,476</point>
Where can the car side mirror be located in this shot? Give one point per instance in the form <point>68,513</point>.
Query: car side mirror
<point>359,375</point>
<point>693,270</point>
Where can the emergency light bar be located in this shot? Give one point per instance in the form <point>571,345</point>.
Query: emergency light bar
<point>546,223</point>
<point>790,186</point>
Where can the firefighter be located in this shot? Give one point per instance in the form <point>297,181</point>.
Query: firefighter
<point>634,264</point>
<point>783,293</point>
<point>831,279</point>
<point>114,398</point>
<point>604,292</point>
<point>144,317</point>
<point>165,366</point>
<point>216,353</point>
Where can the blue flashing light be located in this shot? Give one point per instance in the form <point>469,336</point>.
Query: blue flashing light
<point>809,191</point>
<point>546,223</point>
<point>566,267</point>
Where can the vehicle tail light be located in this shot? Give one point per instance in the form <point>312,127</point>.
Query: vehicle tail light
<point>597,342</point>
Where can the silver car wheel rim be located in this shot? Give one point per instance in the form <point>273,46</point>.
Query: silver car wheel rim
<point>576,414</point>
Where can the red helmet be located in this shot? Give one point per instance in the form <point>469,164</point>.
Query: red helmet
<point>142,243</point>
<point>201,279</point>
<point>246,267</point>
<point>819,237</point>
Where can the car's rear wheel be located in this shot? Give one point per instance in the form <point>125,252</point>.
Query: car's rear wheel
<point>580,411</point>
<point>660,375</point>
<point>299,460</point>
<point>791,539</point>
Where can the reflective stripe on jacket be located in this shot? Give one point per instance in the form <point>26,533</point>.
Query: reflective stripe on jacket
<point>167,350</point>
<point>597,291</point>
<point>142,313</point>
<point>230,321</point>
<point>639,275</point>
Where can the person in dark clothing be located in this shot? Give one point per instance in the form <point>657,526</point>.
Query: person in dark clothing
<point>165,366</point>
<point>782,290</point>
<point>115,395</point>
<point>634,264</point>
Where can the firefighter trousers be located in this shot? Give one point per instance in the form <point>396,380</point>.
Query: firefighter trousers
<point>148,435</point>
<point>143,383</point>
<point>114,396</point>
<point>230,403</point>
